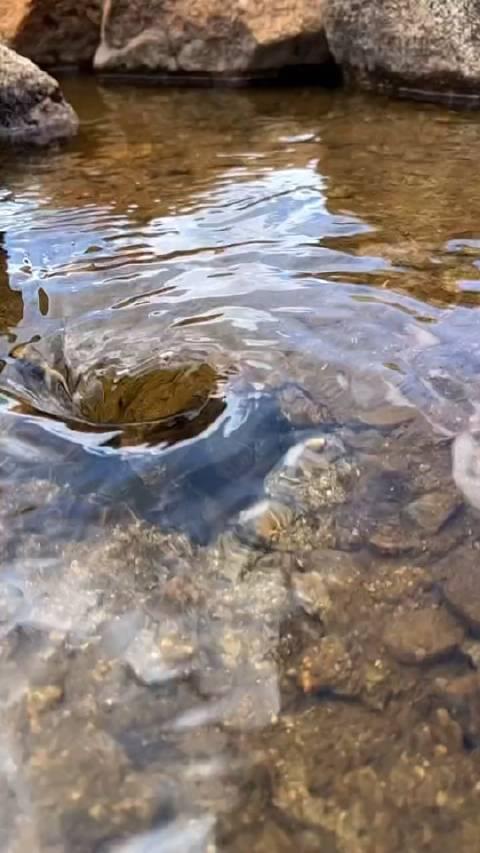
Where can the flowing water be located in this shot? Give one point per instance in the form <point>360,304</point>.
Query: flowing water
<point>239,474</point>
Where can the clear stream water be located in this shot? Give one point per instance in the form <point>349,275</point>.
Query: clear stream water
<point>192,656</point>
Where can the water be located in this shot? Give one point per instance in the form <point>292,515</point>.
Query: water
<point>238,602</point>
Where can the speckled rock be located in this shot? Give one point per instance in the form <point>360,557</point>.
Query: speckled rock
<point>208,36</point>
<point>32,107</point>
<point>421,48</point>
<point>422,636</point>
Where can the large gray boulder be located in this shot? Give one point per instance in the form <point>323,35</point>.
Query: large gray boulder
<point>421,48</point>
<point>32,107</point>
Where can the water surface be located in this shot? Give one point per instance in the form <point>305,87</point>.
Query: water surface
<point>239,335</point>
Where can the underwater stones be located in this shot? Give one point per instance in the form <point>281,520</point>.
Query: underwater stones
<point>32,107</point>
<point>128,566</point>
<point>395,538</point>
<point>156,656</point>
<point>387,416</point>
<point>423,48</point>
<point>462,593</point>
<point>376,782</point>
<point>300,408</point>
<point>155,650</point>
<point>325,573</point>
<point>389,540</point>
<point>284,527</point>
<point>391,585</point>
<point>312,593</point>
<point>389,510</point>
<point>471,648</point>
<point>328,667</point>
<point>29,495</point>
<point>308,481</point>
<point>422,636</point>
<point>311,474</point>
<point>97,792</point>
<point>265,522</point>
<point>431,511</point>
<point>40,700</point>
<point>461,697</point>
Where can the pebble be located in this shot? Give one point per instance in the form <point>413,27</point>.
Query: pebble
<point>422,636</point>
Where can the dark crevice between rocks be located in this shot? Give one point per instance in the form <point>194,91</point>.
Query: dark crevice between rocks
<point>328,75</point>
<point>469,743</point>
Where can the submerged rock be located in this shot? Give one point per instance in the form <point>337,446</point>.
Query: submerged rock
<point>461,697</point>
<point>421,48</point>
<point>328,667</point>
<point>32,107</point>
<point>462,592</point>
<point>265,522</point>
<point>422,636</point>
<point>432,511</point>
<point>206,37</point>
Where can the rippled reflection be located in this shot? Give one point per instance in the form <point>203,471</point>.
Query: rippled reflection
<point>238,600</point>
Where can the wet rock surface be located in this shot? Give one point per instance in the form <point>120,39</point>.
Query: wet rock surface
<point>32,107</point>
